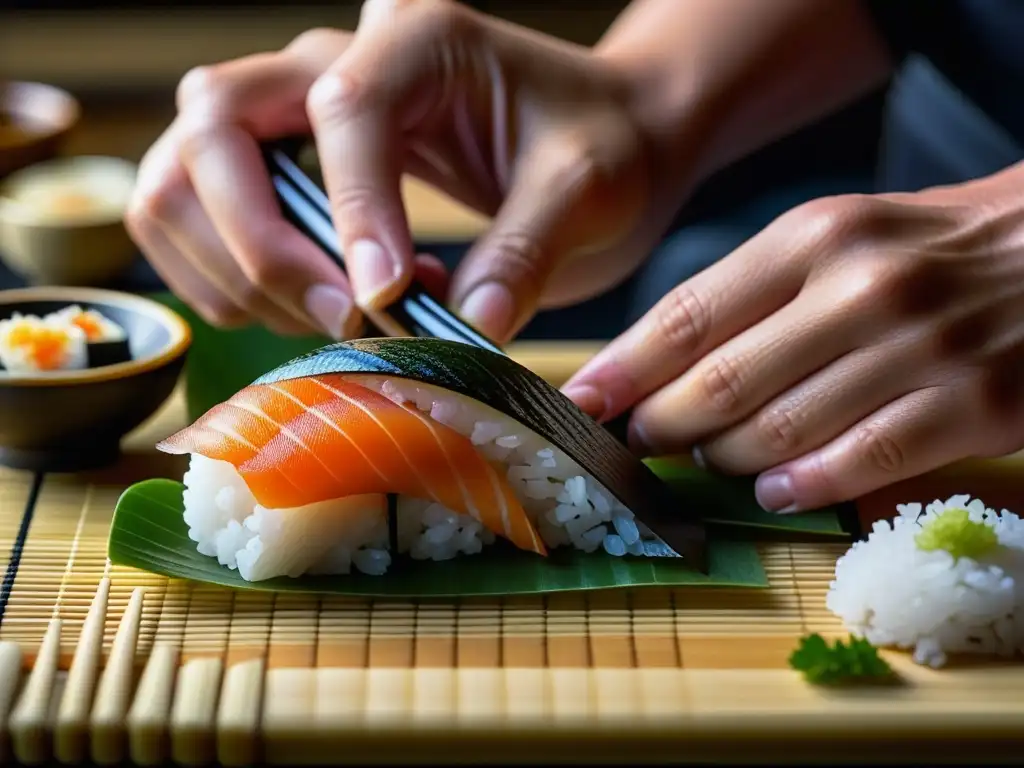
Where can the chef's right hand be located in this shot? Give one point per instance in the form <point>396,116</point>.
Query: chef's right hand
<point>539,134</point>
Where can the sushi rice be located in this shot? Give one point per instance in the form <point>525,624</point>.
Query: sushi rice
<point>30,344</point>
<point>568,507</point>
<point>948,580</point>
<point>96,326</point>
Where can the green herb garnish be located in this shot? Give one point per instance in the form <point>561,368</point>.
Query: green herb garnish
<point>842,663</point>
<point>954,531</point>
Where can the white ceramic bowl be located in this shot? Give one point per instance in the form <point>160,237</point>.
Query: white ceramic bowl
<point>62,221</point>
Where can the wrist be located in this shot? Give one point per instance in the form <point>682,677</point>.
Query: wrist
<point>673,114</point>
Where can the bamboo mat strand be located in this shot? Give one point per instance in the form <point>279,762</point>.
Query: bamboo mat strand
<point>117,663</point>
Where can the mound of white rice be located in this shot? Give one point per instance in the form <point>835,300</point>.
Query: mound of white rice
<point>900,589</point>
<point>567,506</point>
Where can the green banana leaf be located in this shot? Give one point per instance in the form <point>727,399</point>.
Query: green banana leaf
<point>736,494</point>
<point>149,533</point>
<point>222,362</point>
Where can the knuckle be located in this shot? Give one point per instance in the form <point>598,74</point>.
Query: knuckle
<point>197,134</point>
<point>722,385</point>
<point>249,297</point>
<point>336,95</point>
<point>433,19</point>
<point>314,39</point>
<point>815,216</point>
<point>878,451</point>
<point>354,203</point>
<point>267,270</point>
<point>222,314</point>
<point>265,263</point>
<point>777,428</point>
<point>575,163</point>
<point>682,320</point>
<point>199,84</point>
<point>137,222</point>
<point>840,222</point>
<point>156,203</point>
<point>441,19</point>
<point>518,260</point>
<point>873,284</point>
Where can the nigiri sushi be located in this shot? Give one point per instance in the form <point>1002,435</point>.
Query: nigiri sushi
<point>290,477</point>
<point>30,344</point>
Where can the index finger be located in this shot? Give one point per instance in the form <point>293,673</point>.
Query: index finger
<point>229,110</point>
<point>690,321</point>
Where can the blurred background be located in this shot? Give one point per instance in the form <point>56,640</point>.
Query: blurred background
<point>122,61</point>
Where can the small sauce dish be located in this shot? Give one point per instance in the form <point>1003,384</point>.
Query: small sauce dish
<point>74,419</point>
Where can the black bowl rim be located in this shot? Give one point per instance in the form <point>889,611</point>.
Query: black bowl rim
<point>180,333</point>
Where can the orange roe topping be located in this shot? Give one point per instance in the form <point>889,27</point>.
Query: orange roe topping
<point>46,346</point>
<point>89,326</point>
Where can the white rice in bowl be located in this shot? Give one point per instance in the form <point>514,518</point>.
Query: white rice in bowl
<point>568,507</point>
<point>910,585</point>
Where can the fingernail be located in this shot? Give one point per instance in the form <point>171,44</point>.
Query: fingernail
<point>491,308</point>
<point>774,492</point>
<point>330,307</point>
<point>589,399</point>
<point>374,270</point>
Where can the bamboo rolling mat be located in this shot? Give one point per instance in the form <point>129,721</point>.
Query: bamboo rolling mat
<point>112,664</point>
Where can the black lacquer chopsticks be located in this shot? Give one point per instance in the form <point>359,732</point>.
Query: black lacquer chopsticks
<point>416,313</point>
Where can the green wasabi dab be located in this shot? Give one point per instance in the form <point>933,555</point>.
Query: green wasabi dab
<point>955,532</point>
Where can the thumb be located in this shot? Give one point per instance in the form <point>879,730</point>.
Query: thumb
<point>558,204</point>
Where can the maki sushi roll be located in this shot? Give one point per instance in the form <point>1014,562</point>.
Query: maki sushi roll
<point>30,344</point>
<point>72,338</point>
<point>106,341</point>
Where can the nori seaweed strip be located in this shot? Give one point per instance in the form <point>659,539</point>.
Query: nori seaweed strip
<point>102,353</point>
<point>496,380</point>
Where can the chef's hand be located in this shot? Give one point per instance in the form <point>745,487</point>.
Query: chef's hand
<point>528,129</point>
<point>855,342</point>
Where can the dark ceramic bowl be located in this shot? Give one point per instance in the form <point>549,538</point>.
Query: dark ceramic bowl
<point>69,421</point>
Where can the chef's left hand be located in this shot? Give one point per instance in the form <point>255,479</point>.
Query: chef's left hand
<point>855,342</point>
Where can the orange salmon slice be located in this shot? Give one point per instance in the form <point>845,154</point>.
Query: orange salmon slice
<point>317,438</point>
